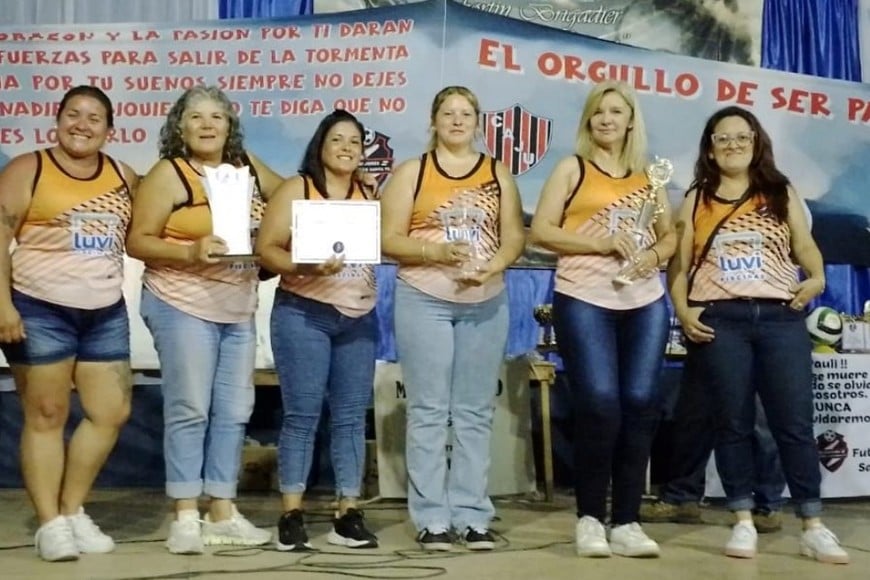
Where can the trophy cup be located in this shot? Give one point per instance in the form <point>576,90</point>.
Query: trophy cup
<point>543,314</point>
<point>229,190</point>
<point>659,174</point>
<point>464,225</point>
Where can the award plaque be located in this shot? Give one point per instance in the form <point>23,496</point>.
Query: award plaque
<point>229,190</point>
<point>326,228</point>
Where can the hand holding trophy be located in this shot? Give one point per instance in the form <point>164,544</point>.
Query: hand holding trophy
<point>659,174</point>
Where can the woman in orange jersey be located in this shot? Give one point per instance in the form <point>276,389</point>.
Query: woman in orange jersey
<point>63,320</point>
<point>453,221</point>
<point>200,311</point>
<point>324,334</point>
<point>611,335</point>
<point>735,290</point>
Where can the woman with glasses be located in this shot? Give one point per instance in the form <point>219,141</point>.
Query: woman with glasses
<point>735,289</point>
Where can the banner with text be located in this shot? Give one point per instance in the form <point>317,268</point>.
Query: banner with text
<point>386,64</point>
<point>841,416</point>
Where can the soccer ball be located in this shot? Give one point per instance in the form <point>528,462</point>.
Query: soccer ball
<point>825,325</point>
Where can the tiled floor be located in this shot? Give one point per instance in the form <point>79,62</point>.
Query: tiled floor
<point>537,543</point>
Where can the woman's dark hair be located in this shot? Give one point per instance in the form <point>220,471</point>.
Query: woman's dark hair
<point>312,163</point>
<point>172,145</point>
<point>765,179</point>
<point>88,91</point>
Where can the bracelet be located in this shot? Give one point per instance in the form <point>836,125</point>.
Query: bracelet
<point>423,253</point>
<point>658,258</point>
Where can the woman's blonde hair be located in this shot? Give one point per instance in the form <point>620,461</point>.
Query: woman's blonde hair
<point>633,154</point>
<point>439,99</point>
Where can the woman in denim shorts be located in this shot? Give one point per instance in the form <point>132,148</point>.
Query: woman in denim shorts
<point>63,320</point>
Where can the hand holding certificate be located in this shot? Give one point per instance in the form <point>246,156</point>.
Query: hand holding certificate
<point>229,190</point>
<point>323,229</point>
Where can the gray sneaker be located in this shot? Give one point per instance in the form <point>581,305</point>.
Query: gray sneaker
<point>55,542</point>
<point>185,537</point>
<point>90,539</point>
<point>235,531</point>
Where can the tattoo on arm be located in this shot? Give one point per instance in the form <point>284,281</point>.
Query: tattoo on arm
<point>8,219</point>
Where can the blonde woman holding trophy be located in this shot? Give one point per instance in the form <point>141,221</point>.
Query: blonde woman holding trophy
<point>605,213</point>
<point>198,300</point>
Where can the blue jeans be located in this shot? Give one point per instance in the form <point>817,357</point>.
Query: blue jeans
<point>207,371</point>
<point>612,360</point>
<point>322,354</point>
<point>763,346</point>
<point>693,442</point>
<point>451,356</point>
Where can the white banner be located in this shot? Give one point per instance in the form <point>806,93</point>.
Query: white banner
<point>841,414</point>
<point>512,468</point>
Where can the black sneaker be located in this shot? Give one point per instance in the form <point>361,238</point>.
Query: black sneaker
<point>478,539</point>
<point>291,533</point>
<point>350,530</point>
<point>434,541</point>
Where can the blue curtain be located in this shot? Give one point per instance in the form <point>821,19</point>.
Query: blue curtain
<point>819,38</point>
<point>265,8</point>
<point>813,37</point>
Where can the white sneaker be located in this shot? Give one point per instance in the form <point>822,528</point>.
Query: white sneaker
<point>820,543</point>
<point>55,542</point>
<point>743,542</point>
<point>590,539</point>
<point>630,540</point>
<point>236,531</point>
<point>90,539</point>
<point>185,534</point>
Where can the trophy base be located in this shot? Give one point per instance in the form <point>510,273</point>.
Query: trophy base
<point>236,257</point>
<point>622,280</point>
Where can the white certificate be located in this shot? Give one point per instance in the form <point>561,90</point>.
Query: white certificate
<point>326,228</point>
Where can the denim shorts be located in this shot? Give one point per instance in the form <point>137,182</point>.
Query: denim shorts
<point>56,332</point>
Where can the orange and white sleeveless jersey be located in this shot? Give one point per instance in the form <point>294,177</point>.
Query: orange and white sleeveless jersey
<point>440,203</point>
<point>600,206</point>
<point>750,256</point>
<point>225,292</point>
<point>71,243</point>
<point>352,291</point>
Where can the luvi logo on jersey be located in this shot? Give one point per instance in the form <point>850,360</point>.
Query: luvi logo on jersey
<point>94,233</point>
<point>517,137</point>
<point>739,256</point>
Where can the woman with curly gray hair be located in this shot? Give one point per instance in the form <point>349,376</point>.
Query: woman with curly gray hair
<point>200,311</point>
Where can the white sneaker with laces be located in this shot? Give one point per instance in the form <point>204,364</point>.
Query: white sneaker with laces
<point>185,534</point>
<point>590,540</point>
<point>630,540</point>
<point>820,543</point>
<point>743,542</point>
<point>55,542</point>
<point>235,531</point>
<point>90,539</point>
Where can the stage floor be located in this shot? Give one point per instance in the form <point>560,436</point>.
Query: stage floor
<point>536,543</point>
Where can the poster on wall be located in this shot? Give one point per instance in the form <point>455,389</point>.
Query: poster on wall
<point>512,469</point>
<point>841,416</point>
<point>723,30</point>
<point>385,65</point>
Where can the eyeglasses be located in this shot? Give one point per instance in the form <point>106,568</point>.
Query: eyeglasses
<point>725,139</point>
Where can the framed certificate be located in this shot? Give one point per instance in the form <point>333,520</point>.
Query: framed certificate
<point>326,228</point>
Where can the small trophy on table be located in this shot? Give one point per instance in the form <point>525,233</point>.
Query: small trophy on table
<point>659,174</point>
<point>229,190</point>
<point>543,314</point>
